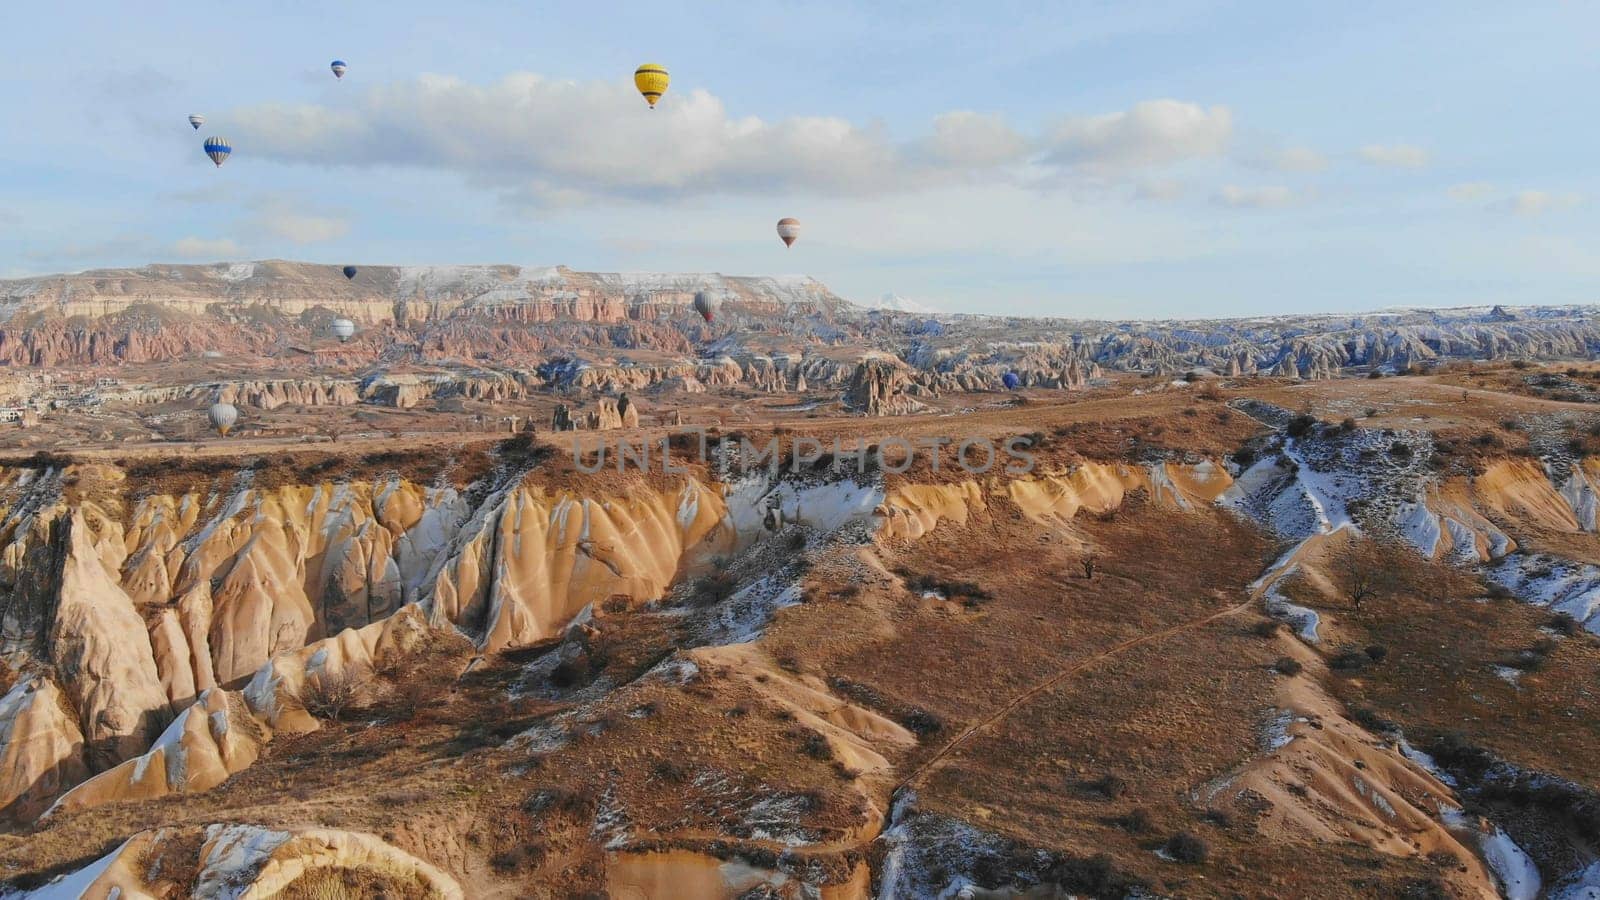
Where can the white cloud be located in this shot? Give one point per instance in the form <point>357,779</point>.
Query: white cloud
<point>1400,156</point>
<point>975,139</point>
<point>1533,203</point>
<point>205,248</point>
<point>1255,197</point>
<point>1470,192</point>
<point>301,228</point>
<point>1154,132</point>
<point>563,142</point>
<point>1289,159</point>
<point>1161,189</point>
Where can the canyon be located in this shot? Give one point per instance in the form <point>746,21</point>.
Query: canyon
<point>1294,606</point>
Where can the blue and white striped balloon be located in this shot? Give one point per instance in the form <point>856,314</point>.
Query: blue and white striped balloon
<point>218,149</point>
<point>197,120</point>
<point>338,66</point>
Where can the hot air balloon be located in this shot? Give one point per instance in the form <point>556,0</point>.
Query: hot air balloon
<point>343,329</point>
<point>707,304</point>
<point>651,80</point>
<point>350,271</point>
<point>789,230</point>
<point>218,149</point>
<point>222,417</point>
<point>197,120</point>
<point>338,66</point>
<point>1011,381</point>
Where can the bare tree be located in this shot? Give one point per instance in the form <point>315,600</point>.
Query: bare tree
<point>1089,563</point>
<point>1364,578</point>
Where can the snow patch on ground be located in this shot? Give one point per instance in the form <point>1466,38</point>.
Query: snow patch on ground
<point>1275,735</point>
<point>237,852</point>
<point>1302,619</point>
<point>1420,527</point>
<point>1583,884</point>
<point>1557,584</point>
<point>72,886</point>
<point>237,272</point>
<point>1427,762</point>
<point>1513,869</point>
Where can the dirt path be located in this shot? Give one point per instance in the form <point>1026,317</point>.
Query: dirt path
<point>1016,702</point>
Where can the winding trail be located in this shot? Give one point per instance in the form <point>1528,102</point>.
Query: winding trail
<point>1016,702</point>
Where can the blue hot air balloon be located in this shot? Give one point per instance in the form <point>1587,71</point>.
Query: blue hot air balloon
<point>218,149</point>
<point>338,66</point>
<point>1011,381</point>
<point>350,272</point>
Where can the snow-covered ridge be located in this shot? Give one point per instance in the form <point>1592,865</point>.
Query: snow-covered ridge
<point>271,280</point>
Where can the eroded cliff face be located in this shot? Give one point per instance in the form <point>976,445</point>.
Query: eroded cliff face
<point>163,638</point>
<point>524,316</point>
<point>248,861</point>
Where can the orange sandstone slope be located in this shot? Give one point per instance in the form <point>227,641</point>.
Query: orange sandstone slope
<point>538,682</point>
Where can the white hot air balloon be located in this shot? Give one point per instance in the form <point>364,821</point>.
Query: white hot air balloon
<point>789,231</point>
<point>707,304</point>
<point>197,120</point>
<point>222,417</point>
<point>343,329</point>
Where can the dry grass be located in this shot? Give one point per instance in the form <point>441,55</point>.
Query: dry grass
<point>328,883</point>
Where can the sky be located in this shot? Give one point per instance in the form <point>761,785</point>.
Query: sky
<point>1087,160</point>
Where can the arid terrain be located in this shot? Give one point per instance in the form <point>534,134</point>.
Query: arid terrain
<point>1301,607</point>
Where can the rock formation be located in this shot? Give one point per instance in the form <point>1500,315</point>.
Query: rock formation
<point>879,388</point>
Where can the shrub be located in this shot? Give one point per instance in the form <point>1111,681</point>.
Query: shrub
<point>1563,624</point>
<point>716,587</point>
<point>1427,889</point>
<point>1371,720</point>
<point>1134,821</point>
<point>1301,425</point>
<point>329,695</point>
<point>1454,753</point>
<point>1108,787</point>
<point>1400,450</point>
<point>670,771</point>
<point>922,723</point>
<point>1444,859</point>
<point>1266,628</point>
<point>572,804</point>
<point>1377,653</point>
<point>568,672</point>
<point>1187,847</point>
<point>1348,661</point>
<point>524,856</point>
<point>1286,666</point>
<point>814,745</point>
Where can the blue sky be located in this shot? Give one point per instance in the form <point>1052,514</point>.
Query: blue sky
<point>1077,159</point>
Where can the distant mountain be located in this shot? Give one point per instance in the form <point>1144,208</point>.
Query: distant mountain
<point>896,303</point>
<point>425,291</point>
<point>530,317</point>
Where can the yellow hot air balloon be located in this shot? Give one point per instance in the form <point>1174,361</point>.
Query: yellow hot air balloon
<point>651,80</point>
